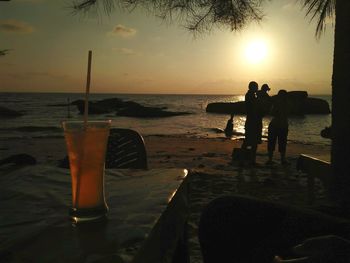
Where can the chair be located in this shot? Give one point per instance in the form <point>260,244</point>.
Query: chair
<point>126,149</point>
<point>314,168</point>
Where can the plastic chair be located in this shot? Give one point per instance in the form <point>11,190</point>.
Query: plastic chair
<point>126,149</point>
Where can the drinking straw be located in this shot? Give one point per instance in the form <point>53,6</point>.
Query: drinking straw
<point>86,112</point>
<point>87,90</point>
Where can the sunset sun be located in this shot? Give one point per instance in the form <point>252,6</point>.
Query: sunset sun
<point>256,51</point>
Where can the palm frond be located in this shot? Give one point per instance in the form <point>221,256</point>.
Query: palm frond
<point>3,52</point>
<point>196,15</point>
<point>320,10</point>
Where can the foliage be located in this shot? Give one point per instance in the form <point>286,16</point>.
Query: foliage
<point>196,15</point>
<point>3,52</point>
<point>320,10</point>
<point>203,15</point>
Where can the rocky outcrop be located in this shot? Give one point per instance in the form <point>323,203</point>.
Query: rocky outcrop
<point>316,106</point>
<point>298,102</point>
<point>19,159</point>
<point>227,107</point>
<point>140,111</point>
<point>100,107</point>
<point>327,132</point>
<point>8,113</point>
<point>125,108</point>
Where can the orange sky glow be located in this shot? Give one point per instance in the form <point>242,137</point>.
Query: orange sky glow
<point>138,53</point>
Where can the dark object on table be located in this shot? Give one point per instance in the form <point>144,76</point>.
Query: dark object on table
<point>19,159</point>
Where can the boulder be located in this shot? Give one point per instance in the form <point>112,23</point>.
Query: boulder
<point>125,108</point>
<point>63,163</point>
<point>19,159</point>
<point>298,102</point>
<point>8,113</point>
<point>99,107</point>
<point>327,132</point>
<point>147,112</point>
<point>227,107</point>
<point>316,106</point>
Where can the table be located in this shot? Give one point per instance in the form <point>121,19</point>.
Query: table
<point>146,220</point>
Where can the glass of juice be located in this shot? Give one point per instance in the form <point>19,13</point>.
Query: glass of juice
<point>86,146</point>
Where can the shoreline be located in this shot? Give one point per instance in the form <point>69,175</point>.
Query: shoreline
<point>177,150</point>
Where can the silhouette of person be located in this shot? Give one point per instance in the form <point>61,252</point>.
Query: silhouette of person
<point>264,107</point>
<point>251,124</point>
<point>278,127</point>
<point>229,127</point>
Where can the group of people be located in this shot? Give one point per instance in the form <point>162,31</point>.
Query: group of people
<point>246,230</point>
<point>259,104</point>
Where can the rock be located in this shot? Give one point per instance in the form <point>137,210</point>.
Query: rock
<point>19,159</point>
<point>140,111</point>
<point>316,106</point>
<point>227,107</point>
<point>297,95</point>
<point>125,108</point>
<point>326,132</point>
<point>94,107</point>
<point>298,101</point>
<point>63,163</point>
<point>8,113</point>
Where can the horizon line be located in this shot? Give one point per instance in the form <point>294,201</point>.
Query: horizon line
<point>135,93</point>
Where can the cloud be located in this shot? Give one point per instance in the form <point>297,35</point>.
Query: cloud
<point>126,51</point>
<point>37,74</point>
<point>123,31</point>
<point>291,6</point>
<point>15,26</point>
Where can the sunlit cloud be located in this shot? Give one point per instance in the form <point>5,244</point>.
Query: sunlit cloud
<point>126,51</point>
<point>37,74</point>
<point>290,6</point>
<point>15,26</point>
<point>123,31</point>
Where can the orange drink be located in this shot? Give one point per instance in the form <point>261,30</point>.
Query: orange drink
<point>86,146</point>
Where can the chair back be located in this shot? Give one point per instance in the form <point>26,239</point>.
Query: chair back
<point>126,149</point>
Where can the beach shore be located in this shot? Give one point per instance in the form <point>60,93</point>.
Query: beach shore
<point>164,150</point>
<point>212,173</point>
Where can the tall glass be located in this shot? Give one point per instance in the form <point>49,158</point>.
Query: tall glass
<point>86,146</point>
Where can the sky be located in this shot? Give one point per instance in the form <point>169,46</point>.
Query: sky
<point>139,53</point>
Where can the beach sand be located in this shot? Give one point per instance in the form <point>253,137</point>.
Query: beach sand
<point>212,173</point>
<point>164,150</point>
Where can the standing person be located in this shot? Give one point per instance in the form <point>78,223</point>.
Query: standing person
<point>251,123</point>
<point>278,127</point>
<point>229,127</point>
<point>264,107</point>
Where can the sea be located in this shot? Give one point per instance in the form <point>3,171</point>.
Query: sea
<point>43,114</point>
